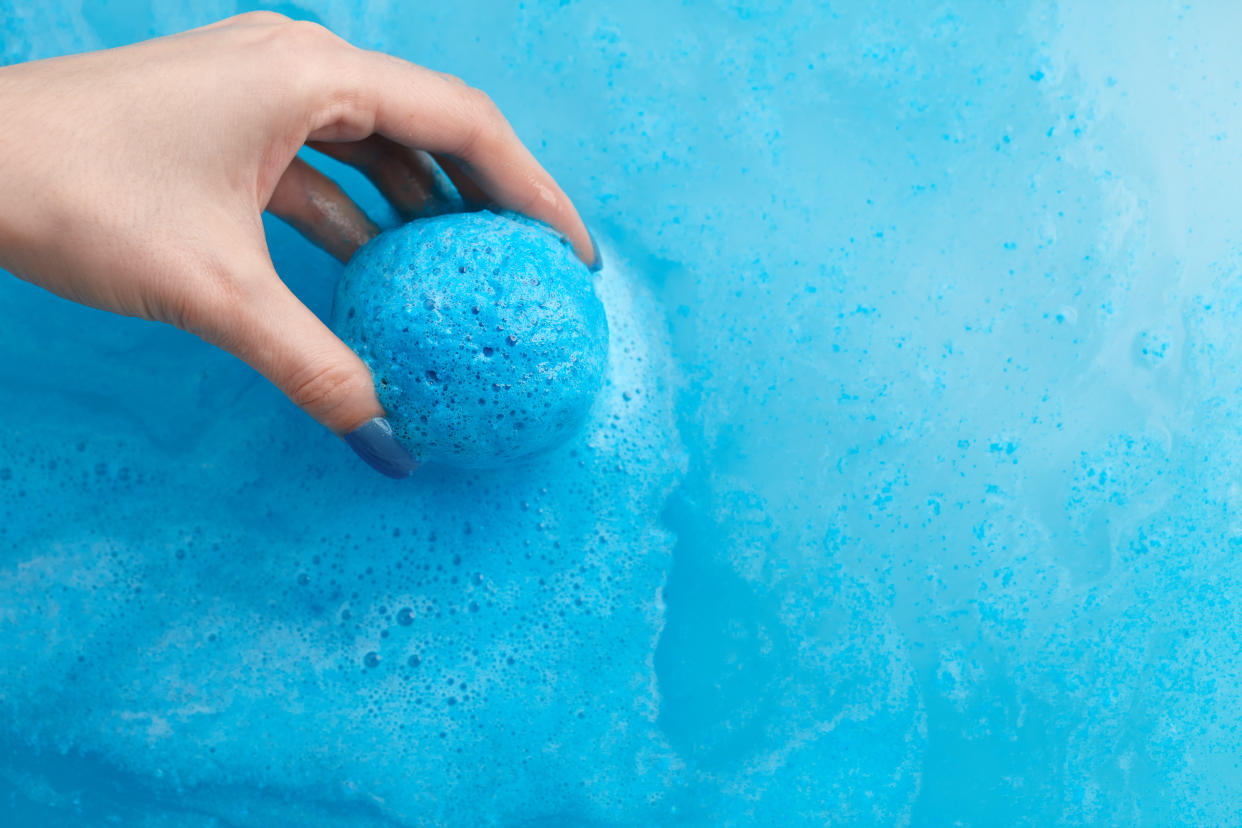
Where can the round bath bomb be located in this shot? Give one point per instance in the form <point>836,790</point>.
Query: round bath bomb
<point>483,333</point>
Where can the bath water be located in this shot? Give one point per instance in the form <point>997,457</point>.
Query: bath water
<point>910,496</point>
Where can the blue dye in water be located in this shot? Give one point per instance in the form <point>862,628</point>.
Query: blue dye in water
<point>909,496</point>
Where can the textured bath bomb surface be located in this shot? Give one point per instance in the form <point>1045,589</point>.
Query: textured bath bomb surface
<point>483,333</point>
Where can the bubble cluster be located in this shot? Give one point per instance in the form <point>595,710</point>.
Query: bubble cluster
<point>908,497</point>
<point>407,635</point>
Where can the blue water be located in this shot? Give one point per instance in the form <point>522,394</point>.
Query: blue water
<point>910,498</point>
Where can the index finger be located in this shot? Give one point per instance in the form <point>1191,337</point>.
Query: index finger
<point>427,110</point>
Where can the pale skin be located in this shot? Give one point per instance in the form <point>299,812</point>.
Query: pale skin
<point>134,180</point>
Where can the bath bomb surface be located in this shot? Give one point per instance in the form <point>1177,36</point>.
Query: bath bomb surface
<point>482,331</point>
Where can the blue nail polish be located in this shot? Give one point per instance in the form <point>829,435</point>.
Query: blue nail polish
<point>598,264</point>
<point>375,443</point>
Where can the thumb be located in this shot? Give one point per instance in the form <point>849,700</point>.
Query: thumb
<point>283,340</point>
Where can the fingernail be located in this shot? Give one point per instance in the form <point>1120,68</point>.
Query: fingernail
<point>598,264</point>
<point>375,443</point>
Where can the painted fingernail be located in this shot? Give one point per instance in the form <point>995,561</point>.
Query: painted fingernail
<point>598,264</point>
<point>375,443</point>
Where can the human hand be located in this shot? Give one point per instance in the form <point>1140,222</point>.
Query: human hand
<point>134,179</point>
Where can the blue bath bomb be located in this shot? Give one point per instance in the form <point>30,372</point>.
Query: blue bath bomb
<point>483,333</point>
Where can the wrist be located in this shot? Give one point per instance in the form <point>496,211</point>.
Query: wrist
<point>21,193</point>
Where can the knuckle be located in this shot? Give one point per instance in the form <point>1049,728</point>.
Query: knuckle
<point>309,57</point>
<point>266,18</point>
<point>320,389</point>
<point>294,40</point>
<point>177,310</point>
<point>204,303</point>
<point>190,310</point>
<point>485,124</point>
<point>483,105</point>
<point>471,139</point>
<point>306,31</point>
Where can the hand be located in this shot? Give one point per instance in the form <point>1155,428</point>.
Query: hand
<point>134,180</point>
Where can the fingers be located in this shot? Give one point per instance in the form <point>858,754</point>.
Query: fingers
<point>317,208</point>
<point>260,321</point>
<point>470,192</point>
<point>408,178</point>
<point>422,109</point>
<point>280,338</point>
